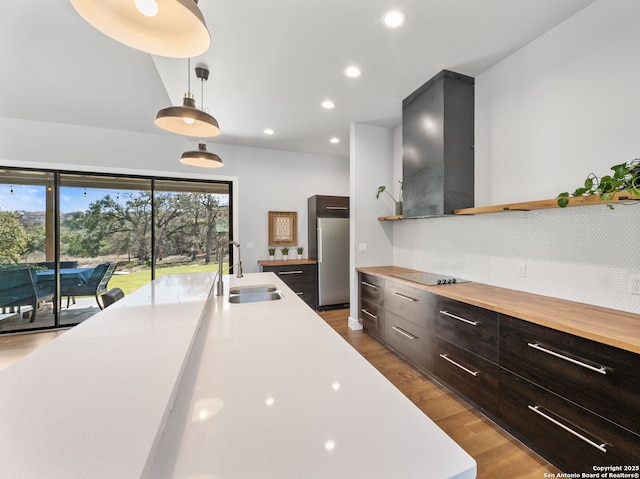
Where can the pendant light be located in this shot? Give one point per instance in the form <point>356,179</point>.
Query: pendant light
<point>201,157</point>
<point>187,119</point>
<point>170,28</point>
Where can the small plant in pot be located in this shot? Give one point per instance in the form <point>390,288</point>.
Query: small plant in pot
<point>625,177</point>
<point>272,253</point>
<point>300,250</point>
<point>398,203</point>
<point>285,253</point>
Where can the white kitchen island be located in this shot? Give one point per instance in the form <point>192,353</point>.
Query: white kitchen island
<point>171,382</point>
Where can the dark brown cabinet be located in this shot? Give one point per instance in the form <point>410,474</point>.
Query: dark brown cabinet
<point>601,378</point>
<point>299,276</point>
<point>465,351</point>
<point>573,400</point>
<point>371,310</point>
<point>407,319</point>
<point>573,438</point>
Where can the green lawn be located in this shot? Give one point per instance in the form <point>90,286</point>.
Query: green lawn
<point>131,281</point>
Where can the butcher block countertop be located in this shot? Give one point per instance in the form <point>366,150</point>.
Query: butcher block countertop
<point>608,326</point>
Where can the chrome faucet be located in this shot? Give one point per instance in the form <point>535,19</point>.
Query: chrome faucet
<point>218,278</point>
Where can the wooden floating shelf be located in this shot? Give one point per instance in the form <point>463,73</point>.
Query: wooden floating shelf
<point>618,198</point>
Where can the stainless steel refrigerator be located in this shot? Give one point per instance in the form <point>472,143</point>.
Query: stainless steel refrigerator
<point>333,261</point>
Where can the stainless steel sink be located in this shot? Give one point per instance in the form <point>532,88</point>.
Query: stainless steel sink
<point>255,297</point>
<point>253,289</point>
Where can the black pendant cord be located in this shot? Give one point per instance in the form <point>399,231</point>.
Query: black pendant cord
<point>189,75</point>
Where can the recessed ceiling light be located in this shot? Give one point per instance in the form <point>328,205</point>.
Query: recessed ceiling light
<point>393,19</point>
<point>328,104</point>
<point>352,71</point>
<point>335,140</point>
<point>268,131</point>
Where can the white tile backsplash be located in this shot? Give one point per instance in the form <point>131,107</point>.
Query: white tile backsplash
<point>585,254</point>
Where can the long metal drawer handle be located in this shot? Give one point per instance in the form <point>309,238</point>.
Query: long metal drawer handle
<point>369,285</point>
<point>300,293</point>
<point>404,333</point>
<point>599,447</point>
<point>336,207</point>
<point>472,323</point>
<point>467,370</point>
<point>601,369</point>
<point>371,315</point>
<point>291,272</point>
<point>406,298</point>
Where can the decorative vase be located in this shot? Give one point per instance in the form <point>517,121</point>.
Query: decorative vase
<point>285,257</point>
<point>271,257</point>
<point>398,208</point>
<point>299,256</point>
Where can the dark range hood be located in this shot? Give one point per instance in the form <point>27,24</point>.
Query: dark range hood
<point>430,279</point>
<point>437,141</point>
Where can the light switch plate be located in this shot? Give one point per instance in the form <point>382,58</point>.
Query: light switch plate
<point>362,247</point>
<point>634,284</point>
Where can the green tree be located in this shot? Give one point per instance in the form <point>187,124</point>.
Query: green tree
<point>13,238</point>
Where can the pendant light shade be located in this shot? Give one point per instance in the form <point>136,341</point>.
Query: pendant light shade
<point>187,119</point>
<point>201,157</point>
<point>170,28</point>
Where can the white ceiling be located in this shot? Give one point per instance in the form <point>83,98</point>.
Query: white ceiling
<point>272,63</point>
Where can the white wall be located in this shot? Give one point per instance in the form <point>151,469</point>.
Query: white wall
<point>371,155</point>
<point>263,180</point>
<point>563,106</point>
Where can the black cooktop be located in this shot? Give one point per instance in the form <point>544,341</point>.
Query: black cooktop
<point>430,279</point>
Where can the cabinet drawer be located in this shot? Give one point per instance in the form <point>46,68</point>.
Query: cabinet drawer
<point>407,339</point>
<point>601,378</point>
<point>468,326</point>
<point>568,435</point>
<point>410,303</point>
<point>371,288</point>
<point>372,319</point>
<point>470,375</point>
<point>332,206</point>
<point>301,278</point>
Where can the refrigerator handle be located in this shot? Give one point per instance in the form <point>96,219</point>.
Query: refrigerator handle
<point>319,245</point>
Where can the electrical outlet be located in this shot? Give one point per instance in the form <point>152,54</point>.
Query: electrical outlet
<point>362,247</point>
<point>634,285</point>
<point>522,270</point>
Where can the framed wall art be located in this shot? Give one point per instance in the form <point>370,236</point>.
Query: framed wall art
<point>283,228</point>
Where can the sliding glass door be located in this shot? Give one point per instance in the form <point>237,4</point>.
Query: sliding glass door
<point>66,238</point>
<point>27,243</point>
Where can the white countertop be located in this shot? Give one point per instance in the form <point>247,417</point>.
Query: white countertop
<point>271,391</point>
<point>171,382</point>
<point>91,403</point>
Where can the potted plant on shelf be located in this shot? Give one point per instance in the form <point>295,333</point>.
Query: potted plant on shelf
<point>300,250</point>
<point>398,203</point>
<point>625,177</point>
<point>272,253</point>
<point>285,253</point>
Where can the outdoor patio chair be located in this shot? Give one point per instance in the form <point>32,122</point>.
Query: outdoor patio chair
<point>19,287</point>
<point>95,285</point>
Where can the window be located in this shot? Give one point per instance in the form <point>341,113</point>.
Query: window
<point>105,231</point>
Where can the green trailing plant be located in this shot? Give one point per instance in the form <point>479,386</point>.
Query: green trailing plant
<point>625,177</point>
